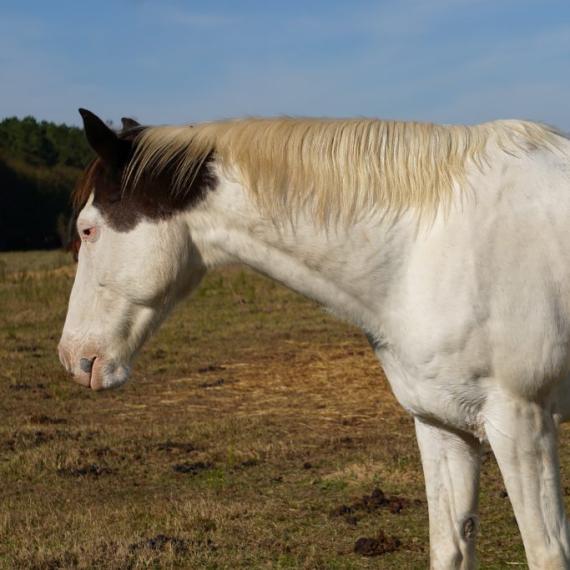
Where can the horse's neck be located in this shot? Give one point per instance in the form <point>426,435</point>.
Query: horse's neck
<point>349,270</point>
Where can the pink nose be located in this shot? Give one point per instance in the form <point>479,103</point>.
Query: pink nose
<point>79,366</point>
<point>89,365</point>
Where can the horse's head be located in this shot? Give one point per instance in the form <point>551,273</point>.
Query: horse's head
<point>136,258</point>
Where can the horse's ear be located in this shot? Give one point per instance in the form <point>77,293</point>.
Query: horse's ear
<point>102,139</point>
<point>129,123</point>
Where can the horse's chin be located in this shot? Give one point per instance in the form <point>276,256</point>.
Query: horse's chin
<point>106,375</point>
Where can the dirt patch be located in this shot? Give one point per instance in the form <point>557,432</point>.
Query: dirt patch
<point>170,446</point>
<point>192,468</point>
<point>346,513</point>
<point>68,560</point>
<point>20,386</point>
<point>160,354</point>
<point>381,544</point>
<point>90,470</point>
<point>212,384</point>
<point>161,542</point>
<point>249,463</point>
<point>46,420</point>
<point>371,503</point>
<point>101,452</point>
<point>378,500</point>
<point>26,440</point>
<point>26,348</point>
<point>211,368</point>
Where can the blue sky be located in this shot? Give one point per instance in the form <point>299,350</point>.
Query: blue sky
<point>174,61</point>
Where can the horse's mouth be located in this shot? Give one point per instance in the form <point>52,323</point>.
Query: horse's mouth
<point>107,374</point>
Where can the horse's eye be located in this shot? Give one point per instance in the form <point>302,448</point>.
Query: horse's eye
<point>88,232</point>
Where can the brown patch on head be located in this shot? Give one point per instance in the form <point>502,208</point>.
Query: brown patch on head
<point>152,197</point>
<point>79,198</point>
<point>84,187</point>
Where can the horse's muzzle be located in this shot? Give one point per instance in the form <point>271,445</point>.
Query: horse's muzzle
<point>90,369</point>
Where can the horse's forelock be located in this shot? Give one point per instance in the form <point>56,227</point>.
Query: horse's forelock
<point>85,184</point>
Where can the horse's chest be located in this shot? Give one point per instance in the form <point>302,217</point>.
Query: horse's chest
<point>449,387</point>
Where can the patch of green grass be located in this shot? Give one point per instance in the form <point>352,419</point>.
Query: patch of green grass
<point>32,261</point>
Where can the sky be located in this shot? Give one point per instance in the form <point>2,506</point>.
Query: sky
<point>169,61</point>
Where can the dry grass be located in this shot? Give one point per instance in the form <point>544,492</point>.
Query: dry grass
<point>251,418</point>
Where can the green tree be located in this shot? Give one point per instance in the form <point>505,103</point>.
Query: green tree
<point>40,163</point>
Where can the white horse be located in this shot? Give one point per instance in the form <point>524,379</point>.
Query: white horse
<point>448,245</point>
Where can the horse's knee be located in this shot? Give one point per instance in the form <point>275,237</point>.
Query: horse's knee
<point>458,553</point>
<point>469,528</point>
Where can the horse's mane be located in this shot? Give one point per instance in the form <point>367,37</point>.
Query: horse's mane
<point>334,167</point>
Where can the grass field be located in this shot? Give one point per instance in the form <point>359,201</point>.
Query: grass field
<point>257,432</point>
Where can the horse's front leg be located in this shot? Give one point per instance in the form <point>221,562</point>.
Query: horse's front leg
<point>451,464</point>
<point>523,435</point>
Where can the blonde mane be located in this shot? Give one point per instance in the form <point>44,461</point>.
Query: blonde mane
<point>337,168</point>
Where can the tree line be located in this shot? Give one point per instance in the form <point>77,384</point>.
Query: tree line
<point>40,163</point>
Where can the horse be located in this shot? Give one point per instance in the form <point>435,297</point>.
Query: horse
<point>447,244</point>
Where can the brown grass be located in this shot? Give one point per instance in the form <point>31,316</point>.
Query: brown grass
<point>251,418</point>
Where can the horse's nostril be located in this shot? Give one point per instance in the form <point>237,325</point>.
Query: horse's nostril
<point>86,365</point>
